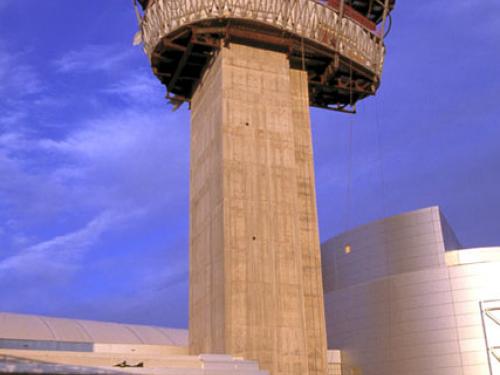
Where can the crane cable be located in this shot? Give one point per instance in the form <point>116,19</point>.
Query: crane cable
<point>349,178</point>
<point>350,158</point>
<point>388,31</point>
<point>380,158</point>
<point>380,161</point>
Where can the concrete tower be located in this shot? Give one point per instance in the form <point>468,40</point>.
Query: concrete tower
<point>250,69</point>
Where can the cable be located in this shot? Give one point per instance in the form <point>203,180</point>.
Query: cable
<point>380,159</point>
<point>350,161</point>
<point>349,177</point>
<point>389,28</point>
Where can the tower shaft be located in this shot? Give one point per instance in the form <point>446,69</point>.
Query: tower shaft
<point>255,268</point>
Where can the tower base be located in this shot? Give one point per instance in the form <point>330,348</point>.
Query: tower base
<point>255,268</point>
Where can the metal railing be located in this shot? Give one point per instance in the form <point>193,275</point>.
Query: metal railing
<point>308,19</point>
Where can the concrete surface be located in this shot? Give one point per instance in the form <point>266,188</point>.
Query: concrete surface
<point>255,269</point>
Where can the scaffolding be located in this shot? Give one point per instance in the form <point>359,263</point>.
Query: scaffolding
<point>340,43</point>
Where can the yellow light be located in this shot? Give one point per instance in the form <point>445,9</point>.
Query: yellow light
<point>347,249</point>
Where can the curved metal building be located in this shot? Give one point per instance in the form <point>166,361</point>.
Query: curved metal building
<point>18,330</point>
<point>403,297</point>
<point>33,344</point>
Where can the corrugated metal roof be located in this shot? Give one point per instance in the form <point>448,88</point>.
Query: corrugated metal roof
<point>34,327</point>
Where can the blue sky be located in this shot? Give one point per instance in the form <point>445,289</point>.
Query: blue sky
<point>94,166</point>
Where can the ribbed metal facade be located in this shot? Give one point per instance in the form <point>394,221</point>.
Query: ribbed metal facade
<point>402,298</point>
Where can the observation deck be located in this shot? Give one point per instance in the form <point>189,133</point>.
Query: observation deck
<point>339,42</point>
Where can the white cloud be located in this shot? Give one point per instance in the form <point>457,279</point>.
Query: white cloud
<point>121,165</point>
<point>93,58</point>
<point>18,78</point>
<point>125,158</point>
<point>11,117</point>
<point>120,159</point>
<point>60,253</point>
<point>24,194</point>
<point>19,83</point>
<point>118,162</point>
<point>137,88</point>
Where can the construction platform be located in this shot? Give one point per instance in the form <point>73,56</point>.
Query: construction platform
<point>337,42</point>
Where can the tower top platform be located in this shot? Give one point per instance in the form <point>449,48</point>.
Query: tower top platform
<point>337,42</point>
<point>371,9</point>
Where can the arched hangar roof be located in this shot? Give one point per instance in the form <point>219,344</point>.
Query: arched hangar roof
<point>34,327</point>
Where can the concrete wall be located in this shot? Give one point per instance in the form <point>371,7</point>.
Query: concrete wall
<point>255,281</point>
<point>307,228</point>
<point>398,303</point>
<point>206,249</point>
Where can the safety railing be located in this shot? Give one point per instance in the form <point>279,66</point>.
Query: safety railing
<point>308,19</point>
